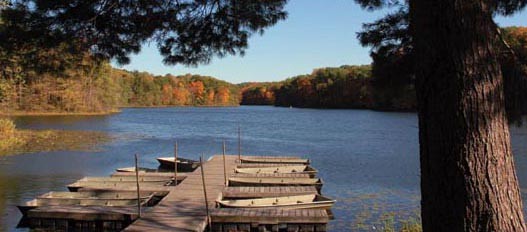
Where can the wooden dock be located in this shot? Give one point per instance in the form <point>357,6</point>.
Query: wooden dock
<point>183,207</point>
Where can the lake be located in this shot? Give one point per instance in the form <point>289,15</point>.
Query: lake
<point>369,160</point>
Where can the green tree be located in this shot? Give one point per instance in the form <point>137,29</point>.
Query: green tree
<point>392,68</point>
<point>468,180</point>
<point>186,32</point>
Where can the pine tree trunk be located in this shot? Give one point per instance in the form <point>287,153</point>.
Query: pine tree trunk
<point>468,180</point>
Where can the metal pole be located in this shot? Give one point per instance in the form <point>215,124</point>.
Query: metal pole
<point>239,142</point>
<point>175,162</point>
<point>137,183</point>
<point>205,191</point>
<point>224,168</point>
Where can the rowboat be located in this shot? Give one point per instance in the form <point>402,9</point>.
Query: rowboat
<point>95,194</point>
<point>125,185</point>
<point>305,169</point>
<point>132,169</point>
<point>281,160</point>
<point>183,165</point>
<point>311,201</point>
<point>60,197</point>
<point>158,191</point>
<point>85,199</point>
<point>272,157</point>
<point>271,181</point>
<point>129,178</point>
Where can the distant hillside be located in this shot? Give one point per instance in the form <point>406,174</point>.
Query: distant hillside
<point>341,87</point>
<point>91,87</point>
<point>259,93</point>
<point>144,89</point>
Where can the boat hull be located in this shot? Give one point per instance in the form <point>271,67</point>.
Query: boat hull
<point>275,160</point>
<point>312,201</point>
<point>183,165</point>
<point>92,201</point>
<point>296,169</point>
<point>324,206</point>
<point>132,169</point>
<point>276,182</point>
<point>125,185</point>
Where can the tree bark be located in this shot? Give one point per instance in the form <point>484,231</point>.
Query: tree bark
<point>468,180</point>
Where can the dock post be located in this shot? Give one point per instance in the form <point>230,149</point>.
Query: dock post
<point>239,143</point>
<point>224,165</point>
<point>175,162</point>
<point>205,191</point>
<point>137,183</point>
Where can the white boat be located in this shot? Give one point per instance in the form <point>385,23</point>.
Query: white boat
<point>85,199</point>
<point>311,201</point>
<point>123,185</point>
<point>132,169</point>
<point>280,160</point>
<point>272,181</point>
<point>131,178</point>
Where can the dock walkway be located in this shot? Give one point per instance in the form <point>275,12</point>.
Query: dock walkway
<point>183,209</point>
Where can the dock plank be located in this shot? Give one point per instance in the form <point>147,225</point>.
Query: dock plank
<point>183,209</point>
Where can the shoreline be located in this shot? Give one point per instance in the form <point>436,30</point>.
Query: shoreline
<point>102,113</point>
<point>23,113</point>
<point>178,106</point>
<point>116,111</point>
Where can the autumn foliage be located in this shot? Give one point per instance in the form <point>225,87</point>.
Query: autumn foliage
<point>103,88</point>
<point>144,89</point>
<point>339,87</point>
<point>255,93</point>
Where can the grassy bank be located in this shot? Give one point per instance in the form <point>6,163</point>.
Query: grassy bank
<point>58,113</point>
<point>15,141</point>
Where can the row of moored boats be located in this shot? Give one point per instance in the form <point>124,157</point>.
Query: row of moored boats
<point>119,190</point>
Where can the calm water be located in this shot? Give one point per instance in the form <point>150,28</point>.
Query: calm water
<point>368,160</point>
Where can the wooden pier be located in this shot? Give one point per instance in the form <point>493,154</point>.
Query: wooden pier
<point>183,207</point>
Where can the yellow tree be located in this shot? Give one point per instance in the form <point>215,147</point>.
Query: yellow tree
<point>197,89</point>
<point>223,95</point>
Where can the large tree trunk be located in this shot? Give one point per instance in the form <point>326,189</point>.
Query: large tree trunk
<point>468,180</point>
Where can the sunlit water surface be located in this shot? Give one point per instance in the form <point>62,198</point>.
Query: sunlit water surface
<point>369,160</point>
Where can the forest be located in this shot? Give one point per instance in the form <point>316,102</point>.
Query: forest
<point>387,84</point>
<point>66,82</point>
<point>332,87</point>
<point>100,88</point>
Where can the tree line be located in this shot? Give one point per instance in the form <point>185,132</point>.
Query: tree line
<point>347,86</point>
<point>387,84</point>
<point>67,82</point>
<point>92,87</point>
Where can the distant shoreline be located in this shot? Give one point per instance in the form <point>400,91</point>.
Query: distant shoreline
<point>116,111</point>
<point>34,113</point>
<point>101,113</point>
<point>176,106</point>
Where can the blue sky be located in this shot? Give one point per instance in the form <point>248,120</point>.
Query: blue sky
<point>317,33</point>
